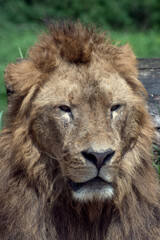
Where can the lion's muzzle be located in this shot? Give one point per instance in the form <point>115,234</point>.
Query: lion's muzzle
<point>98,158</point>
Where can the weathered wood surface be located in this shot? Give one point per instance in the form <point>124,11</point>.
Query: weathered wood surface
<point>149,75</point>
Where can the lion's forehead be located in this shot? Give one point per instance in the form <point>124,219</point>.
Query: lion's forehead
<point>76,85</point>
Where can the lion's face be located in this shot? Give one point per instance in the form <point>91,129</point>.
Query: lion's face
<point>86,119</point>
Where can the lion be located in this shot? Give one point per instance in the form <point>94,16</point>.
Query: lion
<point>75,153</point>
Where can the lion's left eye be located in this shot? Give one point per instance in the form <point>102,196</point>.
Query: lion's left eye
<point>65,108</point>
<point>115,107</point>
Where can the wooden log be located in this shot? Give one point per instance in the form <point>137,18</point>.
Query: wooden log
<point>149,75</point>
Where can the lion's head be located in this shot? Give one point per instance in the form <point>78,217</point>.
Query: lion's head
<point>80,104</point>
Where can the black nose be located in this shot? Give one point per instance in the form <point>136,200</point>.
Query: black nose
<point>98,158</point>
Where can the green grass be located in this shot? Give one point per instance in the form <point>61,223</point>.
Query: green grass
<point>144,44</point>
<point>1,113</point>
<point>14,42</point>
<point>157,160</point>
<point>16,39</point>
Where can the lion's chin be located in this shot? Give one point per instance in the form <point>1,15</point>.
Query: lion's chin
<point>94,189</point>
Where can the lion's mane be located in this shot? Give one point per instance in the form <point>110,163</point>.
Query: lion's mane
<point>35,202</point>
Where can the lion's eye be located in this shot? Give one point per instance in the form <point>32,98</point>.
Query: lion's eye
<point>115,107</point>
<point>65,108</point>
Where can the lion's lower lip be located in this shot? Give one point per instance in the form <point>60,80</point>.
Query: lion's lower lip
<point>97,182</point>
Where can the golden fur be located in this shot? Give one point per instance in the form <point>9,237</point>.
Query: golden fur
<point>76,91</point>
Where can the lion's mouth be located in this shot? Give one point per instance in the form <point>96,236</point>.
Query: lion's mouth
<point>94,183</point>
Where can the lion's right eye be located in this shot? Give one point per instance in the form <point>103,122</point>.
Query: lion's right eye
<point>65,108</point>
<point>115,107</point>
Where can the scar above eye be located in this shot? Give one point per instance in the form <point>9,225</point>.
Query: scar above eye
<point>67,117</point>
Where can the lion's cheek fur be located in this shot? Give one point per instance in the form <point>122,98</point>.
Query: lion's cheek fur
<point>46,132</point>
<point>131,126</point>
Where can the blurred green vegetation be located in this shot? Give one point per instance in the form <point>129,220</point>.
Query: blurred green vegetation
<point>157,161</point>
<point>136,22</point>
<point>14,41</point>
<point>118,14</point>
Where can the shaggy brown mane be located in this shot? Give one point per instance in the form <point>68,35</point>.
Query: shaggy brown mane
<point>35,195</point>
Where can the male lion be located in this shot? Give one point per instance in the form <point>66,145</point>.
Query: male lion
<point>75,158</point>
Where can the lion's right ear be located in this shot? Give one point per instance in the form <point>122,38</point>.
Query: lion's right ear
<point>21,76</point>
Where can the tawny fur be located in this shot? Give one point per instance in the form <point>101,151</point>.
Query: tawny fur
<point>39,150</point>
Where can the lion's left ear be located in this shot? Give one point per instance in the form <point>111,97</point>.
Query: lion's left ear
<point>21,76</point>
<point>127,65</point>
<point>128,55</point>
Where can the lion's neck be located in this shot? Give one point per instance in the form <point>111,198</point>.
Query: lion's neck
<point>94,221</point>
<point>82,221</point>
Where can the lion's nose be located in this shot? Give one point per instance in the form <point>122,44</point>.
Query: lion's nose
<point>98,158</point>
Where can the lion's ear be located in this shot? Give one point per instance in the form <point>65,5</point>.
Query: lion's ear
<point>128,54</point>
<point>21,76</point>
<point>127,65</point>
<point>125,61</point>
